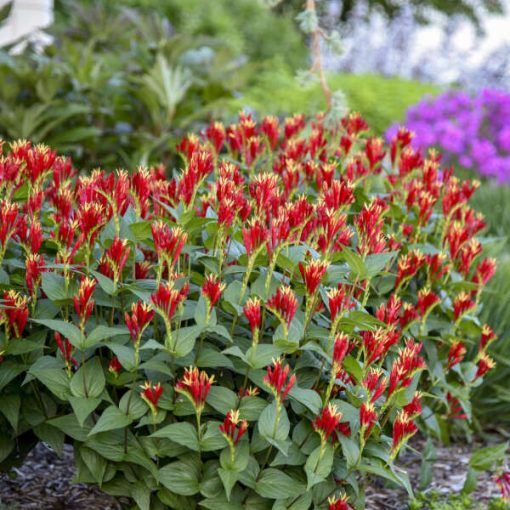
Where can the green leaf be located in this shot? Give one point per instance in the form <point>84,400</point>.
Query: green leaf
<point>111,419</point>
<point>89,380</point>
<point>275,484</point>
<point>319,464</point>
<point>229,479</point>
<point>142,495</point>
<point>183,433</point>
<point>376,263</point>
<point>487,458</point>
<point>222,399</point>
<point>52,436</point>
<point>104,282</point>
<point>68,330</point>
<point>53,286</point>
<point>10,409</point>
<point>201,312</point>
<point>184,339</point>
<point>251,408</point>
<point>263,355</point>
<point>309,398</point>
<point>386,472</point>
<point>355,261</point>
<point>100,333</point>
<point>69,424</point>
<point>213,438</point>
<point>350,450</point>
<point>272,428</point>
<point>55,379</point>
<point>181,477</point>
<point>83,406</point>
<point>95,463</point>
<point>9,370</point>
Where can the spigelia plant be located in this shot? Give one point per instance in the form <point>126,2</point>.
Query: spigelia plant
<point>264,328</point>
<point>471,130</point>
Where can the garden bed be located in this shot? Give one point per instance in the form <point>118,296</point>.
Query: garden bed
<point>44,482</point>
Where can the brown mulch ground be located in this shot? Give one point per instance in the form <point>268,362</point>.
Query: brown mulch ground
<point>44,482</point>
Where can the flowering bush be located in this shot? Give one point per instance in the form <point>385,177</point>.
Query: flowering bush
<point>264,329</point>
<point>472,131</point>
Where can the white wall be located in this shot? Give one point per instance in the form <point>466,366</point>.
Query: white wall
<point>26,17</point>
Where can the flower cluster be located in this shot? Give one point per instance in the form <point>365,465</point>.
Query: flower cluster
<point>471,130</point>
<point>252,327</point>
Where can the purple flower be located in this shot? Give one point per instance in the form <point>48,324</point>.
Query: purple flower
<point>470,130</point>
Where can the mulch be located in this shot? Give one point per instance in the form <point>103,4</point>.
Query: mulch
<point>44,482</point>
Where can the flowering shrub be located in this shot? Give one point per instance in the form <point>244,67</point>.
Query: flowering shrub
<point>264,329</point>
<point>472,131</point>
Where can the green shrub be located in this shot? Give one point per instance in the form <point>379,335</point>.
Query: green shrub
<point>320,286</point>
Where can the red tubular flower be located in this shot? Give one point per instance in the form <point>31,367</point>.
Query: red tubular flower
<point>338,301</point>
<point>35,237</point>
<point>455,410</point>
<point>408,265</point>
<point>488,336</point>
<point>401,140</point>
<point>435,267</point>
<point>367,418</point>
<point>341,503</point>
<point>427,299</point>
<point>252,312</point>
<point>212,289</point>
<point>66,349</point>
<point>374,151</point>
<point>293,125</point>
<point>166,299</point>
<point>142,269</point>
<point>114,366</point>
<point>340,350</point>
<point>456,354</point>
<point>312,274</point>
<point>254,237</point>
<point>484,271</point>
<point>188,145</point>
<point>278,380</point>
<point>456,237</point>
<point>403,429</point>
<point>233,428</point>
<point>216,134</point>
<point>327,423</point>
<point>338,194</point>
<point>377,343</point>
<point>34,266</point>
<point>114,259</point>
<point>91,217</point>
<point>83,303</point>
<point>8,215</point>
<point>195,386</point>
<point>270,128</point>
<point>140,318</point>
<point>503,482</point>
<point>250,391</point>
<point>409,315</point>
<point>388,313</point>
<point>283,304</point>
<point>462,304</point>
<point>15,313</point>
<point>406,366</point>
<point>168,242</point>
<point>375,383</point>
<point>467,254</point>
<point>485,363</point>
<point>414,408</point>
<point>151,393</point>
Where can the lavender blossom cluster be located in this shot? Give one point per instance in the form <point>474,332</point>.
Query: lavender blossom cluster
<point>472,131</point>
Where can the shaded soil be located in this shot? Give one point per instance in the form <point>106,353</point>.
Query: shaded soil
<point>44,482</point>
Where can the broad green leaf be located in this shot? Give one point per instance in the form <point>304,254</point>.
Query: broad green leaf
<point>89,380</point>
<point>182,433</point>
<point>487,458</point>
<point>100,333</point>
<point>181,477</point>
<point>222,399</point>
<point>111,419</point>
<point>275,484</point>
<point>184,339</point>
<point>68,330</point>
<point>83,406</point>
<point>319,464</point>
<point>273,427</point>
